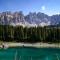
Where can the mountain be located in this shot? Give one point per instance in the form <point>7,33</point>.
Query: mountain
<point>32,19</point>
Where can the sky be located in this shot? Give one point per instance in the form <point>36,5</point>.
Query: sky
<point>49,7</point>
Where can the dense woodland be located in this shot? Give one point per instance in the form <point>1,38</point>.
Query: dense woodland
<point>32,34</point>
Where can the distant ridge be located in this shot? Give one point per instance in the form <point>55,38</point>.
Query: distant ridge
<point>32,19</point>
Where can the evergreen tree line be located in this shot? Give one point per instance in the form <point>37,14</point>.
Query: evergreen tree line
<point>32,34</point>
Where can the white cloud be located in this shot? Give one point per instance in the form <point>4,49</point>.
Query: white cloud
<point>43,7</point>
<point>58,13</point>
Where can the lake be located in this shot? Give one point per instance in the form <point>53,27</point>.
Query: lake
<point>30,53</point>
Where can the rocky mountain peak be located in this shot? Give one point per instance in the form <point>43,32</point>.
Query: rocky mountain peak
<point>35,19</point>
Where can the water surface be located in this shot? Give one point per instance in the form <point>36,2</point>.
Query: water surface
<point>30,53</point>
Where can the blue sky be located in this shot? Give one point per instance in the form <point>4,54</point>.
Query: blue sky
<point>49,7</point>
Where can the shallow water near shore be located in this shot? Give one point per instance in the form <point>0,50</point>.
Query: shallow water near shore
<point>30,53</point>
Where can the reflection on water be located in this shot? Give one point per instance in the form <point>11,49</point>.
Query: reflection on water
<point>30,53</point>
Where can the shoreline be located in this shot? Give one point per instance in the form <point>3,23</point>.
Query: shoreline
<point>13,44</point>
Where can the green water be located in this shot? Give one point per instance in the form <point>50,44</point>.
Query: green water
<point>29,53</point>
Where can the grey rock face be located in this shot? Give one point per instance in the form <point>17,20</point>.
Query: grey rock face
<point>6,18</point>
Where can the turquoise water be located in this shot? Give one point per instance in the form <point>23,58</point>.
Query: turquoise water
<point>30,53</point>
